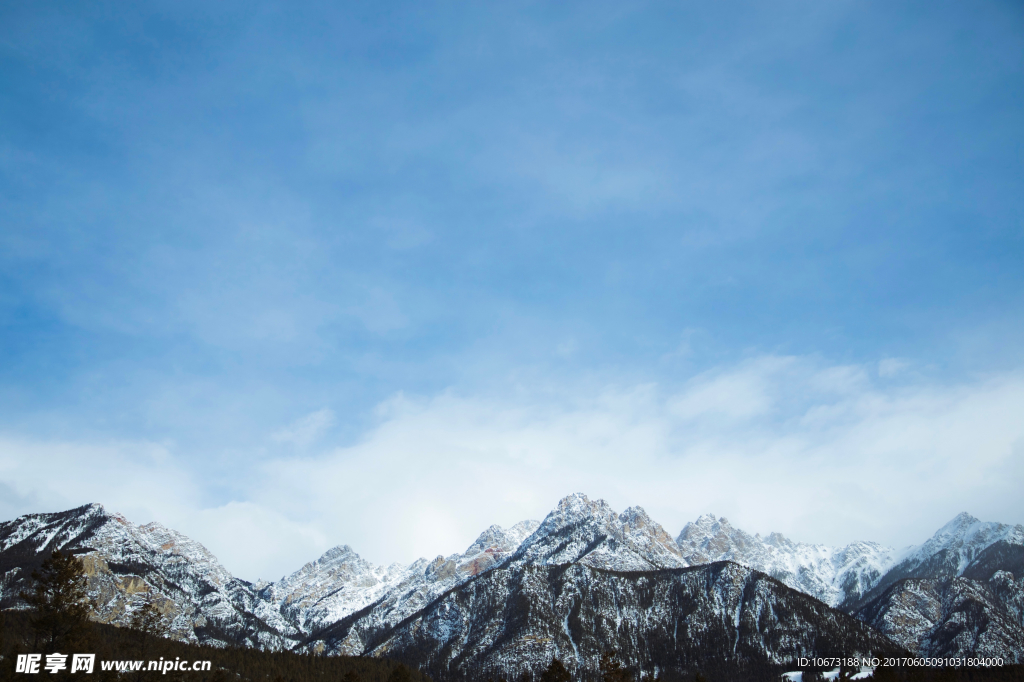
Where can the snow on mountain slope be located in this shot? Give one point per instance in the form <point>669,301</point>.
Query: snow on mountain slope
<point>341,583</point>
<point>1010,592</point>
<point>326,590</point>
<point>949,617</point>
<point>577,531</point>
<point>589,581</point>
<point>832,574</point>
<point>341,603</point>
<point>963,547</point>
<point>720,617</point>
<point>125,562</point>
<point>955,546</point>
<point>590,532</point>
<point>961,593</point>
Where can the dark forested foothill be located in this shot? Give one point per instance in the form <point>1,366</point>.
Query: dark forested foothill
<point>235,664</point>
<point>239,664</point>
<point>1006,673</point>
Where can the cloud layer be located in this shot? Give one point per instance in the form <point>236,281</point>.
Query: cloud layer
<point>819,452</point>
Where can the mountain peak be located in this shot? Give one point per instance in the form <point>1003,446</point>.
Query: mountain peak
<point>961,520</point>
<point>581,530</point>
<point>830,574</point>
<point>579,505</point>
<point>636,517</point>
<point>960,541</point>
<point>705,528</point>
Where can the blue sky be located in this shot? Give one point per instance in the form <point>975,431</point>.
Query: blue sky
<point>425,245</point>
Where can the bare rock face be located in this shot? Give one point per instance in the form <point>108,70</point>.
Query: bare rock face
<point>834,575</point>
<point>956,594</point>
<point>963,547</point>
<point>125,562</point>
<point>580,529</point>
<point>946,617</point>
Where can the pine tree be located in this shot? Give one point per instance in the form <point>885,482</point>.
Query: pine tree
<point>400,674</point>
<point>148,622</point>
<point>556,672</point>
<point>7,658</point>
<point>612,670</point>
<point>60,603</point>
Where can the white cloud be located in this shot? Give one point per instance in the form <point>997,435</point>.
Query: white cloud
<point>137,478</point>
<point>146,483</point>
<point>256,540</point>
<point>731,395</point>
<point>786,444</point>
<point>890,367</point>
<point>307,430</point>
<point>820,453</point>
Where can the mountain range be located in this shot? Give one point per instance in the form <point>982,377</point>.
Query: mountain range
<point>583,581</point>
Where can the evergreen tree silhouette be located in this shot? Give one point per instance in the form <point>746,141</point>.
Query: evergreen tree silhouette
<point>556,672</point>
<point>400,674</point>
<point>60,604</point>
<point>612,670</point>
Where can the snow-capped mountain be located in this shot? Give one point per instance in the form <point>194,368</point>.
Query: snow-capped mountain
<point>961,593</point>
<point>326,590</point>
<point>341,583</point>
<point>584,578</point>
<point>589,531</point>
<point>589,581</point>
<point>964,546</point>
<point>578,530</point>
<point>939,598</point>
<point>125,562</point>
<point>950,617</point>
<point>834,575</point>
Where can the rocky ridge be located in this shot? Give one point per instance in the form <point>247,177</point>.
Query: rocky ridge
<point>947,618</point>
<point>383,597</point>
<point>834,575</point>
<point>126,564</point>
<point>589,580</point>
<point>963,547</point>
<point>969,579</point>
<point>961,593</point>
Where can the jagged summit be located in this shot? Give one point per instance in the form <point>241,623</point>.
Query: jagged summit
<point>963,518</point>
<point>124,562</point>
<point>336,584</point>
<point>961,590</point>
<point>832,574</point>
<point>709,539</point>
<point>963,547</point>
<point>962,539</point>
<point>496,536</point>
<point>344,604</point>
<point>341,582</point>
<point>592,533</point>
